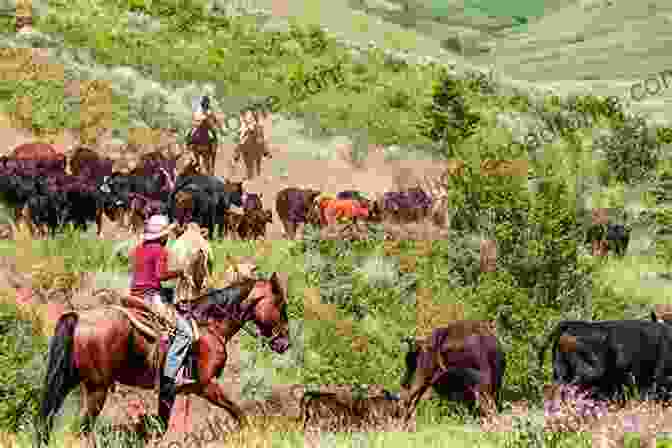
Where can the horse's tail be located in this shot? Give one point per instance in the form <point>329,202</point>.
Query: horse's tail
<point>62,375</point>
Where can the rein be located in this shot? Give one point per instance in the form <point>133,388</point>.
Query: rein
<point>243,320</point>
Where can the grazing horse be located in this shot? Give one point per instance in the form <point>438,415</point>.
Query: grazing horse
<point>99,347</point>
<point>253,146</point>
<point>202,142</point>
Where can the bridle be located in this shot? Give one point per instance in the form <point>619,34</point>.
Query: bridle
<point>245,316</point>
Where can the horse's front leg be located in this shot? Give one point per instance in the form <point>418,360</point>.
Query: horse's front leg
<point>92,402</point>
<point>211,360</point>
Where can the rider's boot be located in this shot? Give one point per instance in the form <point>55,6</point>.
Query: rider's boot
<point>167,394</point>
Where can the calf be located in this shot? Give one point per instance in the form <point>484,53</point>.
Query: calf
<point>292,206</point>
<point>253,224</point>
<point>604,355</point>
<point>463,360</point>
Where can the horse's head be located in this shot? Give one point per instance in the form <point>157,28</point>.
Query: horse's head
<point>270,312</point>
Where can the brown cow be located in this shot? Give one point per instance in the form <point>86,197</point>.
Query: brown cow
<point>35,151</point>
<point>293,206</point>
<point>84,158</point>
<point>231,222</point>
<point>253,224</point>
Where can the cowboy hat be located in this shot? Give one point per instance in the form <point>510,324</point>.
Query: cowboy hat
<point>157,227</point>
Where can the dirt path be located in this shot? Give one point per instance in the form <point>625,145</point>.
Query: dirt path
<point>375,176</point>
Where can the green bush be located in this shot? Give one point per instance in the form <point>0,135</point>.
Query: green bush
<point>23,352</point>
<point>448,119</point>
<point>632,152</point>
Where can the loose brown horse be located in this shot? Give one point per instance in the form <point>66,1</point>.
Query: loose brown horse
<point>202,147</point>
<point>99,347</point>
<point>253,146</point>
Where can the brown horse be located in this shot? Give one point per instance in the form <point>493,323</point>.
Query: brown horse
<point>201,145</point>
<point>99,347</point>
<point>253,146</point>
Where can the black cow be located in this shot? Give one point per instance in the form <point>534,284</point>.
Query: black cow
<point>607,356</point>
<point>211,197</point>
<point>46,211</point>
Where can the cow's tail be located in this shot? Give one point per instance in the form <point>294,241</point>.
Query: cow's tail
<point>552,338</point>
<point>411,363</point>
<point>62,375</point>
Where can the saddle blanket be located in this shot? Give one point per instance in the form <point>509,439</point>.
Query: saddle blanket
<point>199,138</point>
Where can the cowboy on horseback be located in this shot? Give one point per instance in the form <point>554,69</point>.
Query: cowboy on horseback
<point>149,270</point>
<point>202,113</point>
<point>202,138</point>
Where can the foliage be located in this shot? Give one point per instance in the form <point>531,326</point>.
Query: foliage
<point>529,432</point>
<point>660,219</point>
<point>632,152</point>
<point>22,351</point>
<point>448,119</point>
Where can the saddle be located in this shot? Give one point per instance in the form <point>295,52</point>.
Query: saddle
<point>154,323</point>
<point>201,135</point>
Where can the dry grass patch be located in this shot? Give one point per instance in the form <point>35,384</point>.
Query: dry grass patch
<point>432,315</point>
<point>95,110</point>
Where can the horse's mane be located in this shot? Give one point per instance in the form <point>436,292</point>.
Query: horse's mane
<point>217,302</point>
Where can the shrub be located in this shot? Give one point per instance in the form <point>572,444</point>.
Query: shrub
<point>22,357</point>
<point>448,119</point>
<point>632,152</point>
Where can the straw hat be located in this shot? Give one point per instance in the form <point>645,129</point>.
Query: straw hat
<point>157,227</point>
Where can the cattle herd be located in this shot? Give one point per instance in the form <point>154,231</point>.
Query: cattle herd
<point>48,191</point>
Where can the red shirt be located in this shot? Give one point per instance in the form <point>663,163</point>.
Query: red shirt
<point>150,261</point>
